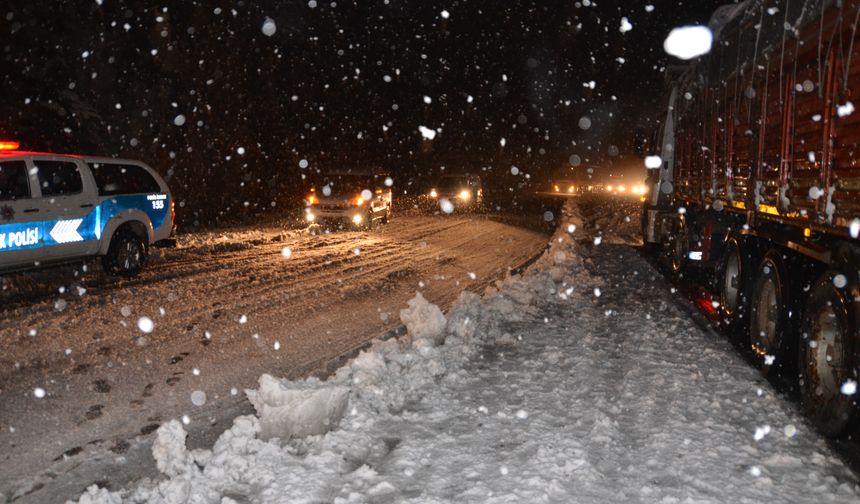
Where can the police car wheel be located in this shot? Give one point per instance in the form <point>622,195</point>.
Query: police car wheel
<point>125,256</point>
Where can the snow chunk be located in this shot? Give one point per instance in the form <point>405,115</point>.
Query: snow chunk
<point>625,25</point>
<point>849,387</point>
<point>96,495</point>
<point>179,120</point>
<point>423,320</point>
<point>688,42</point>
<point>168,449</point>
<point>297,409</point>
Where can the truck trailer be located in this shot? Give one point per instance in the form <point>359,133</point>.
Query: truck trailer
<point>754,180</point>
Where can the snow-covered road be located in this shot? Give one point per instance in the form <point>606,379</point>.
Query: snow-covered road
<point>582,380</point>
<point>226,307</point>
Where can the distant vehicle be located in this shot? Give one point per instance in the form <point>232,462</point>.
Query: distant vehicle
<point>757,186</point>
<point>623,186</point>
<point>62,207</point>
<point>357,200</point>
<point>463,191</point>
<point>565,188</point>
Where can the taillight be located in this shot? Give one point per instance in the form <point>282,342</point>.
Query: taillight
<point>172,211</point>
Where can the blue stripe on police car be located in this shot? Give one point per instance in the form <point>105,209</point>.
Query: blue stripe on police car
<point>30,235</point>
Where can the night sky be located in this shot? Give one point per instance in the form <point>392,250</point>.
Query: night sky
<point>185,86</point>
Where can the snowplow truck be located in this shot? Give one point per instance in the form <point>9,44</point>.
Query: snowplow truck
<point>757,184</point>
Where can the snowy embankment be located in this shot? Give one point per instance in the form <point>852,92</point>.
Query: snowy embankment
<point>545,389</point>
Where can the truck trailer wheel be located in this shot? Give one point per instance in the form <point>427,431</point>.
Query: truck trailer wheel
<point>827,357</point>
<point>735,286</point>
<point>678,248</point>
<point>769,329</point>
<point>126,254</point>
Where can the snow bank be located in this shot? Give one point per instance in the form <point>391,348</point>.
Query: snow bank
<point>284,453</point>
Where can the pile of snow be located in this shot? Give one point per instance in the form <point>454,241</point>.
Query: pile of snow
<point>423,320</point>
<point>297,409</point>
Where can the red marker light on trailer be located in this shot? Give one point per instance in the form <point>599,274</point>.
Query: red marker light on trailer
<point>6,145</point>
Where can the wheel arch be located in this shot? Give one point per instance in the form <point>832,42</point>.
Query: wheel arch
<point>136,222</point>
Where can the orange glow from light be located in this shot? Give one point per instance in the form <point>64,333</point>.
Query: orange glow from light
<point>312,200</point>
<point>359,201</point>
<point>9,145</point>
<point>807,232</point>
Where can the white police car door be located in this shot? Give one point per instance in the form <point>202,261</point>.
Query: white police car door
<point>67,199</point>
<point>19,236</point>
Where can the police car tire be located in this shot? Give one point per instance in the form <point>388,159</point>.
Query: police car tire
<point>119,245</point>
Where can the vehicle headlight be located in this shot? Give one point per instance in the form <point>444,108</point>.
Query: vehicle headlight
<point>312,199</point>
<point>357,219</point>
<point>621,188</point>
<point>556,188</point>
<point>465,194</point>
<point>571,189</point>
<point>358,201</point>
<point>609,188</point>
<point>309,216</point>
<point>433,193</point>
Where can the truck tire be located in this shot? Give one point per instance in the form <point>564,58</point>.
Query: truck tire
<point>126,254</point>
<point>828,354</point>
<point>679,247</point>
<point>734,278</point>
<point>769,330</point>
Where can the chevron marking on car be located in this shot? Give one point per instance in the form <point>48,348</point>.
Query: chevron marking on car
<point>66,231</point>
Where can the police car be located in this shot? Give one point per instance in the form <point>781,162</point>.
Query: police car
<point>61,207</point>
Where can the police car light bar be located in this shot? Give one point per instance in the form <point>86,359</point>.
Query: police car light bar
<point>6,145</point>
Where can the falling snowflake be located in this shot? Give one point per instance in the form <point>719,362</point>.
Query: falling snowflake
<point>198,398</point>
<point>446,206</point>
<point>145,324</point>
<point>269,27</point>
<point>688,42</point>
<point>427,133</point>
